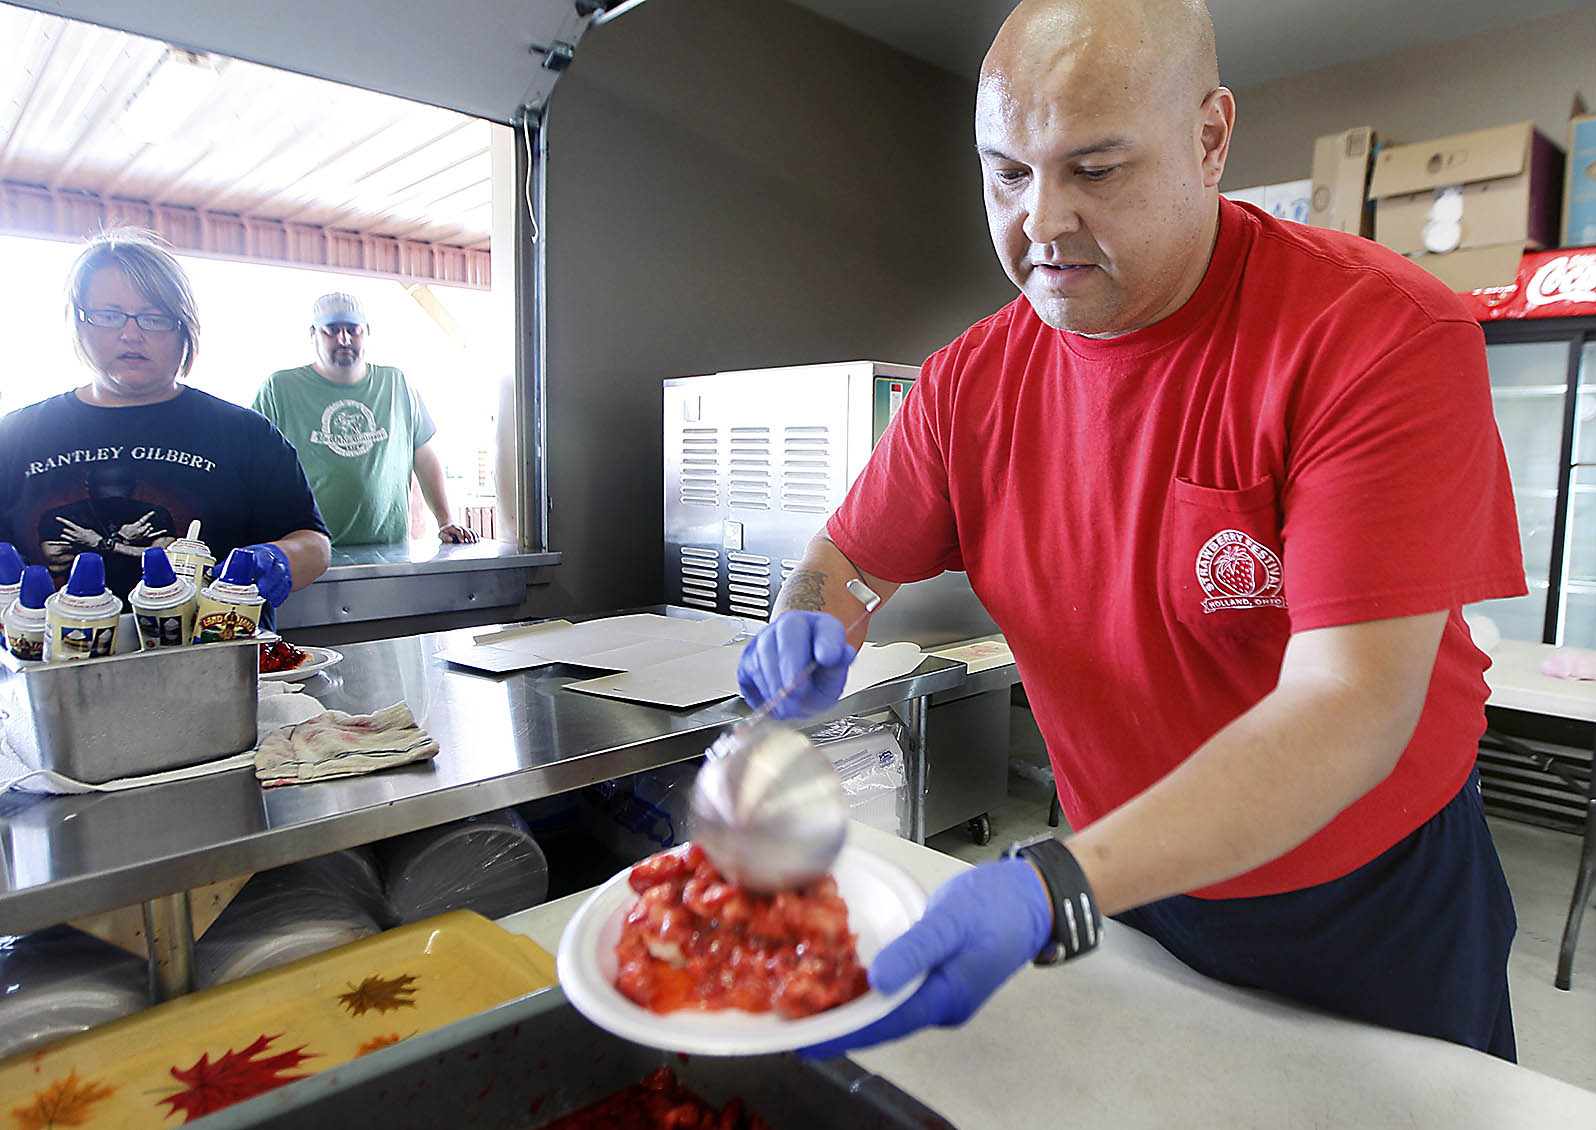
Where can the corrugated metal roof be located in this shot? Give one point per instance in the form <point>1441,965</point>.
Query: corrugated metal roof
<point>262,143</point>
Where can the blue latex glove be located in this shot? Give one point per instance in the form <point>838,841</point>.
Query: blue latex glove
<point>273,576</point>
<point>979,928</point>
<point>777,655</point>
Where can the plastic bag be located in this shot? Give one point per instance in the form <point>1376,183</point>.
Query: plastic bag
<point>291,912</point>
<point>59,982</point>
<point>488,863</point>
<point>868,756</point>
<point>636,816</point>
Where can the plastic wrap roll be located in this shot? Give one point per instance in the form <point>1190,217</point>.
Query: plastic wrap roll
<point>58,982</point>
<point>488,863</point>
<point>293,912</point>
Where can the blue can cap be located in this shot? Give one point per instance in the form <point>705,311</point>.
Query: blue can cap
<point>10,564</point>
<point>240,568</point>
<point>36,587</point>
<point>158,571</point>
<point>88,575</point>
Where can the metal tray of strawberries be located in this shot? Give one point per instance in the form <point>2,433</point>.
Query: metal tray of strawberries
<point>531,1061</point>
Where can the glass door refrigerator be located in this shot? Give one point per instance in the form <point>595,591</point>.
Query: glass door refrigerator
<point>1576,600</point>
<point>1543,388</point>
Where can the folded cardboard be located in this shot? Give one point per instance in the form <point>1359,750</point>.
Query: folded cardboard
<point>1287,200</point>
<point>1471,190</point>
<point>1341,180</point>
<point>1579,198</point>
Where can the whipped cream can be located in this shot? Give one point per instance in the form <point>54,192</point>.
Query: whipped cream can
<point>10,583</point>
<point>81,621</point>
<point>164,604</point>
<point>230,606</point>
<point>24,616</point>
<point>192,558</point>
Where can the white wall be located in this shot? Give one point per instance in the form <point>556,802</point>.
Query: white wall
<point>1530,72</point>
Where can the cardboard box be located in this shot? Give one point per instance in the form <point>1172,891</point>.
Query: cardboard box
<point>1579,197</point>
<point>1474,268</point>
<point>1341,163</point>
<point>1492,186</point>
<point>1287,200</point>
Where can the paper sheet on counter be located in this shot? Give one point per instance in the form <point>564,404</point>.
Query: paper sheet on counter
<point>978,655</point>
<point>712,675</point>
<point>615,643</point>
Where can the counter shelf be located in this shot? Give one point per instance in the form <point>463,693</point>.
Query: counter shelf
<point>384,582</point>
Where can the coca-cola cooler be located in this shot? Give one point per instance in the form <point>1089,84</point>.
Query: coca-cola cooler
<point>755,461</point>
<point>1543,388</point>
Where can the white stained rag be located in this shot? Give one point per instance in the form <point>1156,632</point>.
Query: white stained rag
<point>336,744</point>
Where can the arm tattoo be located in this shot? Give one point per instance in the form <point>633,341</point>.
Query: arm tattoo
<point>805,590</point>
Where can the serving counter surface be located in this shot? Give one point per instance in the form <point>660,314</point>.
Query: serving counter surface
<point>1129,1037</point>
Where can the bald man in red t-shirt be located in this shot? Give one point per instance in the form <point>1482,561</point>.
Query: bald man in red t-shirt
<point>1225,484</point>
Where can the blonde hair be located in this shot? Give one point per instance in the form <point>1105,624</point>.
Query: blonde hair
<point>154,273</point>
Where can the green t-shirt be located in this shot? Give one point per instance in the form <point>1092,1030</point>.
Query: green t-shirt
<point>356,442</point>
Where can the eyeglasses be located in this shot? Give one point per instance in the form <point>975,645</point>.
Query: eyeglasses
<point>338,329</point>
<point>116,319</point>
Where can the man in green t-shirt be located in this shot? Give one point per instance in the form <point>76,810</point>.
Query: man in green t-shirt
<point>360,430</point>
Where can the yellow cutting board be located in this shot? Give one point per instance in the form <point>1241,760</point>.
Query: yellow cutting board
<point>180,1060</point>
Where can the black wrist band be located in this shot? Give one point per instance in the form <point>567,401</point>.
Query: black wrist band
<point>1077,923</point>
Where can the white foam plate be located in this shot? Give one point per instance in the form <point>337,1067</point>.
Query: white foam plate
<point>316,659</point>
<point>882,901</point>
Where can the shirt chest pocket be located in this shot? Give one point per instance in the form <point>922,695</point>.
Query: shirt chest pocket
<point>1220,570</point>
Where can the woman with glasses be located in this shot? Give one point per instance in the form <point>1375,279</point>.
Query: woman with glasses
<point>130,458</point>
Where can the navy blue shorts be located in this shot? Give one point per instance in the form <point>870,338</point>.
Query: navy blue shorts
<point>1416,939</point>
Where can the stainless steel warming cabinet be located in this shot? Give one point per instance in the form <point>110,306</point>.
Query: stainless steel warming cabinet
<point>755,461</point>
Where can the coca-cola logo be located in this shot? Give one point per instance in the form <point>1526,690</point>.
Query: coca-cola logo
<point>1568,278</point>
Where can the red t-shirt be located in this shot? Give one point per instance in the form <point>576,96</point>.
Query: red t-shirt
<point>1308,441</point>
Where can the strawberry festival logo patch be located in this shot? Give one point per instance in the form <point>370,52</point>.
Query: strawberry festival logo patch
<point>1238,572</point>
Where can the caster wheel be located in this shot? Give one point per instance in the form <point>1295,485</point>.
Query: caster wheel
<point>980,830</point>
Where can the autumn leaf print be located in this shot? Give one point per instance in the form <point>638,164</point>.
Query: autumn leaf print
<point>233,1078</point>
<point>63,1103</point>
<point>382,994</point>
<point>377,1043</point>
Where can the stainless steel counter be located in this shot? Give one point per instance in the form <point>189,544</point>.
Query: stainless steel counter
<point>505,739</point>
<point>1128,1037</point>
<point>382,582</point>
<point>428,555</point>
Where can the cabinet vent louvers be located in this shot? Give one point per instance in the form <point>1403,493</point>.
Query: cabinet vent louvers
<point>700,576</point>
<point>749,480</point>
<point>806,470</point>
<point>744,607</point>
<point>700,477</point>
<point>749,584</point>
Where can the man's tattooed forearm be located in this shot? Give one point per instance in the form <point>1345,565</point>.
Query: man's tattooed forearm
<point>805,590</point>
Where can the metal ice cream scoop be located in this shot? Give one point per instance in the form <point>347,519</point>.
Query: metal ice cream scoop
<point>767,806</point>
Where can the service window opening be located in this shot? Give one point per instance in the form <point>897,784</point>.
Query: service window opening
<point>272,189</point>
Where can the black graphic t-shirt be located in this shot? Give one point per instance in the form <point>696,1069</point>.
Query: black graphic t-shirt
<point>75,477</point>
